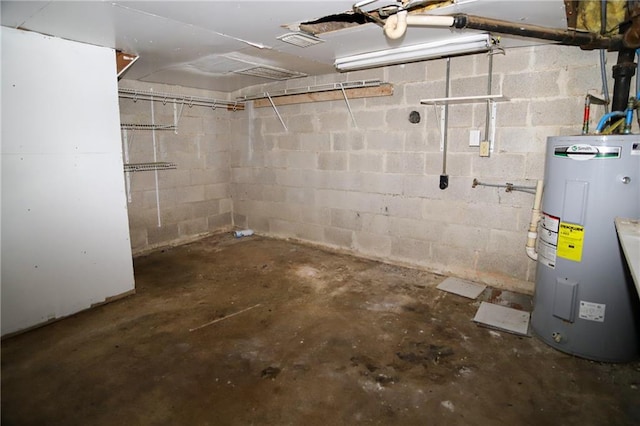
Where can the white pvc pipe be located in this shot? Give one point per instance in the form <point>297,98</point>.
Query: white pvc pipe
<point>396,25</point>
<point>532,234</point>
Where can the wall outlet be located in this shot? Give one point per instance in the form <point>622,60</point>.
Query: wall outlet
<point>474,137</point>
<point>484,148</point>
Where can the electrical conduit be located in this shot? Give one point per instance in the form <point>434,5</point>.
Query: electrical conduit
<point>532,235</point>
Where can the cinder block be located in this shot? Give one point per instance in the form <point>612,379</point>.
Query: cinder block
<point>349,141</point>
<point>226,205</point>
<point>376,223</point>
<point>258,223</point>
<point>493,216</point>
<point>205,208</point>
<point>239,220</point>
<point>382,183</point>
<point>444,211</point>
<point>216,191</point>
<point>282,228</point>
<point>275,159</point>
<point>556,112</point>
<point>460,261</point>
<point>332,160</point>
<point>309,232</point>
<point>580,80</point>
<point>289,142</point>
<point>302,160</point>
<point>514,266</point>
<point>416,140</point>
<point>470,236</point>
<point>220,221</point>
<point>304,196</point>
<point>315,216</point>
<point>175,214</point>
<point>417,229</point>
<point>507,242</point>
<point>303,123</point>
<point>334,121</point>
<point>385,141</point>
<point>338,237</point>
<point>517,60</point>
<point>189,194</point>
<point>534,166</point>
<point>165,234</point>
<point>346,219</point>
<point>555,56</point>
<point>540,84</point>
<point>407,73</point>
<point>274,193</point>
<point>193,227</point>
<point>138,238</point>
<point>407,163</point>
<point>365,162</point>
<point>504,166</point>
<point>369,119</point>
<point>411,250</point>
<point>372,244</point>
<point>315,142</point>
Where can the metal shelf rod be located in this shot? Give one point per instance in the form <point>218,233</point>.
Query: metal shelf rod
<point>313,89</point>
<point>184,99</point>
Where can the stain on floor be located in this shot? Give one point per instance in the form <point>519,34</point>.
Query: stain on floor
<point>287,334</point>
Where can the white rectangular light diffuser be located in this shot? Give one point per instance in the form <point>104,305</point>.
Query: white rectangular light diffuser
<point>473,43</point>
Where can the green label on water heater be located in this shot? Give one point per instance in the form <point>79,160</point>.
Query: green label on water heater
<point>587,152</point>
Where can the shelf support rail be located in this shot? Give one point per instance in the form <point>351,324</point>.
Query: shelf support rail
<point>314,89</point>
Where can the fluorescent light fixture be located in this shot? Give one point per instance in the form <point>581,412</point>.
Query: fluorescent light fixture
<point>418,52</point>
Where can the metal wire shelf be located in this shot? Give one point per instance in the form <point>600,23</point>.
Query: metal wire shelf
<point>147,167</point>
<point>133,126</point>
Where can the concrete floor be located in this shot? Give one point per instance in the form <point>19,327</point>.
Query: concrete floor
<point>302,336</point>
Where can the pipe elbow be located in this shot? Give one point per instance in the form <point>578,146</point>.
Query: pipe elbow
<point>531,252</point>
<point>396,25</point>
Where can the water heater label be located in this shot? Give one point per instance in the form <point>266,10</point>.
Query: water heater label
<point>570,241</point>
<point>587,152</point>
<point>548,241</point>
<point>591,311</point>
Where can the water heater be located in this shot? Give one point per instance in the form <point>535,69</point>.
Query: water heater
<point>585,302</point>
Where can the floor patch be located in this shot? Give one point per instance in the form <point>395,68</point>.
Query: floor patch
<point>503,318</point>
<point>462,288</point>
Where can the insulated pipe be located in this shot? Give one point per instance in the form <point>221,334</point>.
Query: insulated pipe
<point>532,235</point>
<point>623,71</point>
<point>396,25</point>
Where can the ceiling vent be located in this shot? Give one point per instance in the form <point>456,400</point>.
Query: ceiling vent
<point>272,73</point>
<point>300,39</point>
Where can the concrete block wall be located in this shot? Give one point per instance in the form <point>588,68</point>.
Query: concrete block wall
<point>372,188</point>
<point>195,198</point>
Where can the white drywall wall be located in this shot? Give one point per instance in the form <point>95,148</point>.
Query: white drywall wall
<point>65,236</point>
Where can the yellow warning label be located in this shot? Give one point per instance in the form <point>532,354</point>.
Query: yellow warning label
<point>570,240</point>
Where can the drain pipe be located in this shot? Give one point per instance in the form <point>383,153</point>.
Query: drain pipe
<point>396,25</point>
<point>532,235</point>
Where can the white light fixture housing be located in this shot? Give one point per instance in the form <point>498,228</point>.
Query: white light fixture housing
<point>459,45</point>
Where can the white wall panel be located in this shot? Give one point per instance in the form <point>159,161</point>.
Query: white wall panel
<point>65,236</point>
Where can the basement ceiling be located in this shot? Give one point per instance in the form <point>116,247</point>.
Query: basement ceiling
<point>229,45</point>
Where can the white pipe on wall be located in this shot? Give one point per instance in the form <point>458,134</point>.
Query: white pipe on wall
<point>532,234</point>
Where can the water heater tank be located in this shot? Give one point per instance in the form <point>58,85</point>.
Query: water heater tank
<point>585,302</point>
